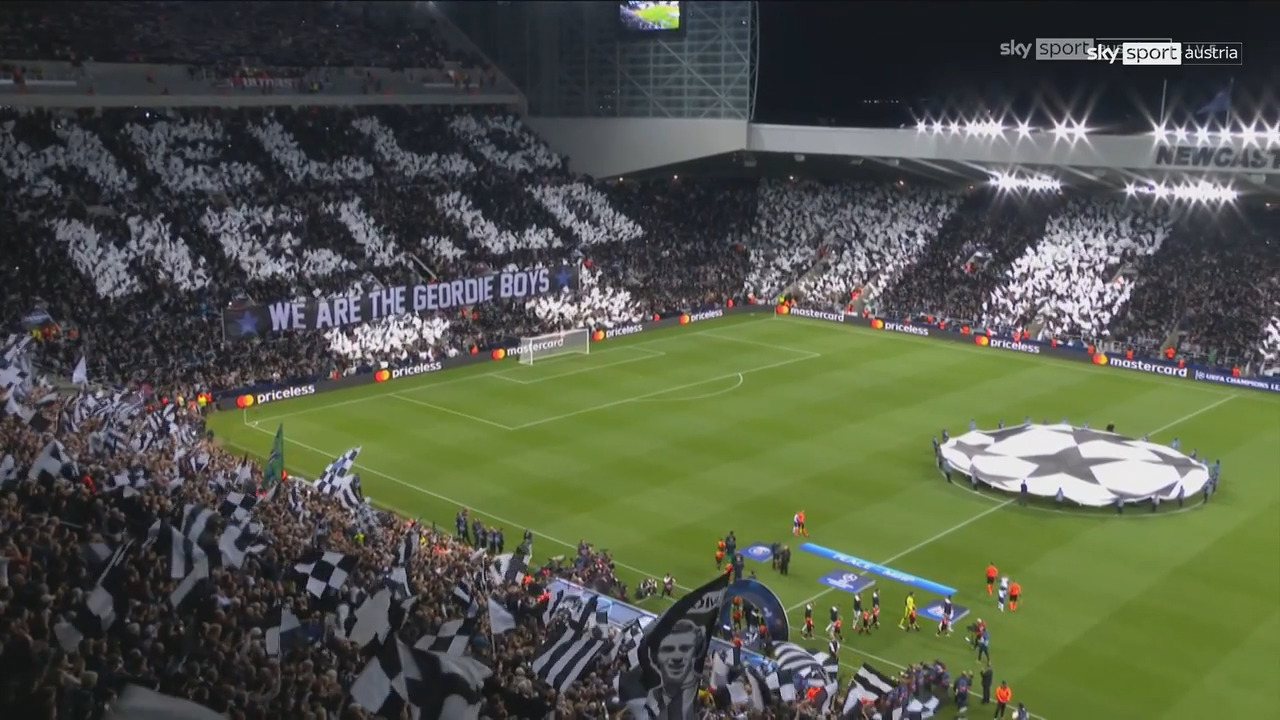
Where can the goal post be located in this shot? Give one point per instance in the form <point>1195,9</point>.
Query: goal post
<point>543,347</point>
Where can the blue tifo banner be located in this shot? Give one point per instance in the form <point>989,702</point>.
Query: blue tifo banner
<point>759,596</point>
<point>379,303</point>
<point>878,569</point>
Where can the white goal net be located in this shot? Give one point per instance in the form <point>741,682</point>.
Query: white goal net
<point>541,347</point>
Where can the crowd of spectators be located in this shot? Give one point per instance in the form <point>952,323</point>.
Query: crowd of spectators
<point>136,228</point>
<point>275,34</point>
<point>827,241</point>
<point>957,274</point>
<point>1070,280</point>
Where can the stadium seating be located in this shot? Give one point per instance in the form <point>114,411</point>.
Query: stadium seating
<point>1069,281</point>
<point>278,35</point>
<point>137,227</point>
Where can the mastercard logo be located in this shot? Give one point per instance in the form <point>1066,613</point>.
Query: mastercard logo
<point>244,401</point>
<point>597,336</point>
<point>783,310</point>
<point>982,340</point>
<point>1099,359</point>
<point>382,376</point>
<point>498,353</point>
<point>684,319</point>
<point>877,324</point>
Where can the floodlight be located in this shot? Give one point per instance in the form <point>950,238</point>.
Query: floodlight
<point>1202,135</point>
<point>920,126</point>
<point>1180,134</point>
<point>937,128</point>
<point>1273,135</point>
<point>1060,131</point>
<point>1024,130</point>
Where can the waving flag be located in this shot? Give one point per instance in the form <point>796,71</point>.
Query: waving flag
<point>1220,104</point>
<point>682,636</point>
<point>273,471</point>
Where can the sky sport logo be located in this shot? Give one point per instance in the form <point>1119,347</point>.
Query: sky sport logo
<point>985,341</point>
<point>247,401</point>
<point>878,324</point>
<point>1139,366</point>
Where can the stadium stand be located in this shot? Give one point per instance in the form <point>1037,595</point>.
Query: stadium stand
<point>274,35</point>
<point>134,228</point>
<point>1069,282</point>
<point>957,274</point>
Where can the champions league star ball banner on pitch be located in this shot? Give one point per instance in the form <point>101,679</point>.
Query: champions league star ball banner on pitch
<point>1089,467</point>
<point>326,313</point>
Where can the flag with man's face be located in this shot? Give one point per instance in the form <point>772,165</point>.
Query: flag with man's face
<point>664,681</point>
<point>273,471</point>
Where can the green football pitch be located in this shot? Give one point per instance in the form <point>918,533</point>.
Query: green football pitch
<point>656,444</point>
<point>663,16</point>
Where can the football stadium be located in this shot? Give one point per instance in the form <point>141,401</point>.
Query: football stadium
<point>495,360</point>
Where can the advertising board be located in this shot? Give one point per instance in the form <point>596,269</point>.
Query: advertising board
<point>251,397</point>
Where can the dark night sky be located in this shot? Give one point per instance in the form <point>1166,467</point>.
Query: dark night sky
<point>823,59</point>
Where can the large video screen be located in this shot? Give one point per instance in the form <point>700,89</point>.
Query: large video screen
<point>650,17</point>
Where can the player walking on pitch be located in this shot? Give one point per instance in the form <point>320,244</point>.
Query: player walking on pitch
<point>908,611</point>
<point>1015,591</point>
<point>1002,593</point>
<point>992,572</point>
<point>797,525</point>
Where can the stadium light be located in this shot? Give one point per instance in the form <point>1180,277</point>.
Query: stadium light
<point>1160,133</point>
<point>1060,131</point>
<point>1202,136</point>
<point>955,127</point>
<point>936,127</point>
<point>1249,135</point>
<point>1273,135</point>
<point>1180,134</point>
<point>1200,192</point>
<point>921,126</point>
<point>1024,130</point>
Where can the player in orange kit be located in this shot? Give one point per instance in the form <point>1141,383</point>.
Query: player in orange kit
<point>797,525</point>
<point>1015,591</point>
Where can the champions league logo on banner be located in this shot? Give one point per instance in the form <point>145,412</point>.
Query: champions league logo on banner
<point>757,595</point>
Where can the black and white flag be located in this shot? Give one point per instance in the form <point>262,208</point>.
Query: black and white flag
<point>501,620</point>
<point>794,661</point>
<point>463,596</point>
<point>509,569</point>
<point>195,518</point>
<point>100,608</point>
<point>325,571</point>
<point>237,541</point>
<point>80,375</point>
<point>430,686</point>
<point>238,506</point>
<point>193,585</point>
<point>281,626</point>
<point>669,663</point>
<point>567,653</point>
<point>8,469</point>
<point>139,703</point>
<point>181,551</point>
<point>630,637</point>
<point>53,463</point>
<point>564,599</point>
<point>868,685</point>
<point>337,481</point>
<point>453,637</point>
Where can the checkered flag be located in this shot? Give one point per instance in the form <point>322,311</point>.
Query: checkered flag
<point>453,637</point>
<point>430,686</point>
<point>337,480</point>
<point>325,571</point>
<point>237,506</point>
<point>181,552</point>
<point>509,569</point>
<point>281,624</point>
<point>463,596</point>
<point>195,518</point>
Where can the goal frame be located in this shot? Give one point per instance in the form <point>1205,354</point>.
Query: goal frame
<point>576,341</point>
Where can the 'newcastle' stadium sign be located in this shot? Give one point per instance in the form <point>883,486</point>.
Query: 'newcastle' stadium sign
<point>332,312</point>
<point>1222,158</point>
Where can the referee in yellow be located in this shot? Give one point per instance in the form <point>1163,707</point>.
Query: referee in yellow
<point>910,608</point>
